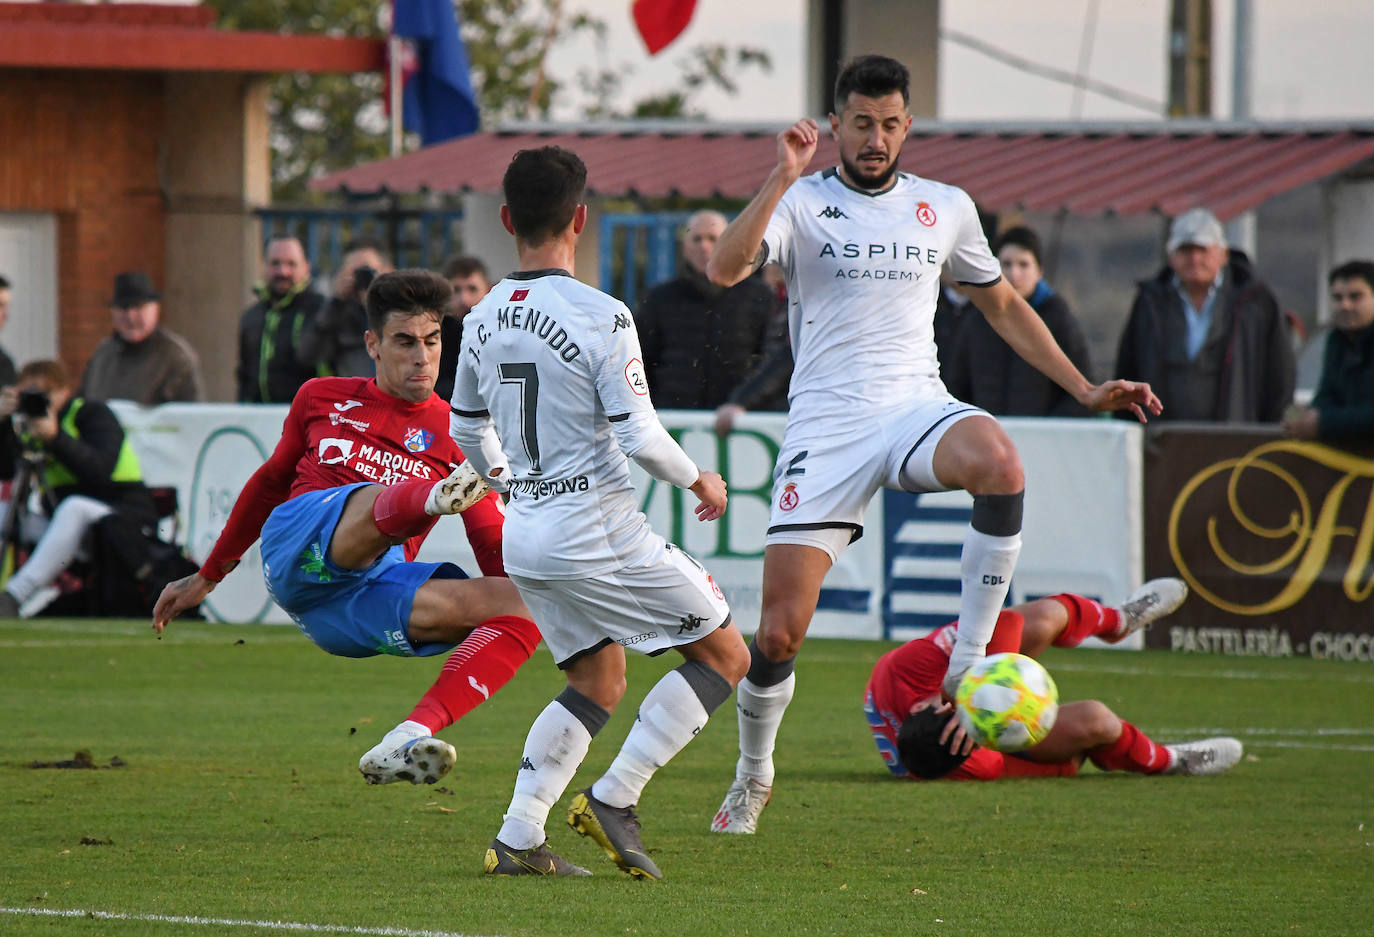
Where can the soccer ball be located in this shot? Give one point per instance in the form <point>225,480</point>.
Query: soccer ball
<point>1007,702</point>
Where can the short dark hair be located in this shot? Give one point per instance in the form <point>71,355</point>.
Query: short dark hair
<point>872,76</point>
<point>53,373</point>
<point>543,188</point>
<point>407,293</point>
<point>465,265</point>
<point>1019,236</point>
<point>365,243</point>
<point>4,283</point>
<point>918,745</point>
<point>1352,270</point>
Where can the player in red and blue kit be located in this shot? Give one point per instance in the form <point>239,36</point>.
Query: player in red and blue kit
<point>919,737</point>
<point>361,473</point>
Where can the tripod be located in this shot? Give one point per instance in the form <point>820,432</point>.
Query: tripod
<point>28,475</point>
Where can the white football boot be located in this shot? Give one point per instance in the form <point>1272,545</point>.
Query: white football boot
<point>1149,603</point>
<point>462,489</point>
<point>408,753</point>
<point>1208,756</point>
<point>743,803</point>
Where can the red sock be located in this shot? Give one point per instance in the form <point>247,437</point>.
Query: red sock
<point>1087,619</point>
<point>477,668</point>
<point>1132,752</point>
<point>1006,636</point>
<point>400,509</point>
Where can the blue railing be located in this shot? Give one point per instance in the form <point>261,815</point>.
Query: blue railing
<point>413,237</point>
<point>638,252</point>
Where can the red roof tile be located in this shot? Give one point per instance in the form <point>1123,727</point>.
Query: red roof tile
<point>1121,170</point>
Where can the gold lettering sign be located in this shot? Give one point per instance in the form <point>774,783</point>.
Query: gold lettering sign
<point>1302,542</point>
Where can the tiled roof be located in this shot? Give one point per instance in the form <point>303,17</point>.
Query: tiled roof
<point>1123,169</point>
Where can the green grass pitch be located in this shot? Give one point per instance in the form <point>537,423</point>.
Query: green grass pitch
<point>239,803</point>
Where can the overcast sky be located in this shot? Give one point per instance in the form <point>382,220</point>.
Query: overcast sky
<point>1306,66</point>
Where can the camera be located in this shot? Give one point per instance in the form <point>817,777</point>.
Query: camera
<point>34,403</point>
<point>362,279</point>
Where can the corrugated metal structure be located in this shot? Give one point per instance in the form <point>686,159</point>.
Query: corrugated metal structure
<point>1084,169</point>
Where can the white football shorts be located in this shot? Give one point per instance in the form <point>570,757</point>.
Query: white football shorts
<point>668,601</point>
<point>827,472</point>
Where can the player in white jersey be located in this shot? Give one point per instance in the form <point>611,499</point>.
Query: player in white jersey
<point>554,368</point>
<point>862,246</point>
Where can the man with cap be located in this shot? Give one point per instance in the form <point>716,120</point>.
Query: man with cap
<point>1207,333</point>
<point>141,361</point>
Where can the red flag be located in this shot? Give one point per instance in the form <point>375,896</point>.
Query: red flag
<point>662,21</point>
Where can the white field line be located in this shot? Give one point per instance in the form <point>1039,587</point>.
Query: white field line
<point>288,926</point>
<point>1156,671</point>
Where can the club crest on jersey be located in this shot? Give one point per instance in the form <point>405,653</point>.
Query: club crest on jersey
<point>517,295</point>
<point>634,376</point>
<point>789,498</point>
<point>417,440</point>
<point>925,214</point>
<point>715,588</point>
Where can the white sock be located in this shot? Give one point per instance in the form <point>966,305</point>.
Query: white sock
<point>760,714</point>
<point>985,570</point>
<point>555,746</point>
<point>670,717</point>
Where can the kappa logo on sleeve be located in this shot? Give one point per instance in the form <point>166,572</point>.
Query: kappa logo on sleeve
<point>634,376</point>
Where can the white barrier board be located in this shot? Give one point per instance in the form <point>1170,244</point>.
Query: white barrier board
<point>1082,533</point>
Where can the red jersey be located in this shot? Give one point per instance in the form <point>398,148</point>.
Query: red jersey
<point>343,430</point>
<point>908,674</point>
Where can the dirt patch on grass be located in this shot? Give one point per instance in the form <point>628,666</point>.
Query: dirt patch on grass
<point>81,760</point>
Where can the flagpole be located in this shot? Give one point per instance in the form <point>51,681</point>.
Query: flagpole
<point>395,52</point>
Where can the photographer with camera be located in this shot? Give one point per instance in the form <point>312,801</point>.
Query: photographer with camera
<point>76,453</point>
<point>333,341</point>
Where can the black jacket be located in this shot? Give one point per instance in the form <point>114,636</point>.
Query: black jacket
<point>90,456</point>
<point>1244,372</point>
<point>271,369</point>
<point>1345,393</point>
<point>699,340</point>
<point>987,373</point>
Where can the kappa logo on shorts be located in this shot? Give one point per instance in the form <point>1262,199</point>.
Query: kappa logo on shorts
<point>416,439</point>
<point>789,498</point>
<point>689,623</point>
<point>925,214</point>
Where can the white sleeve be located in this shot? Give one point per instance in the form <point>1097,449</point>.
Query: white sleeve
<point>777,237</point>
<point>623,389</point>
<point>470,425</point>
<point>970,259</point>
<point>643,438</point>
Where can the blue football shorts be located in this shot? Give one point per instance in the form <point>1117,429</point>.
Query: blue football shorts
<point>347,612</point>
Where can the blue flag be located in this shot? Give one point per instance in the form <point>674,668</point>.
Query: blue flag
<point>437,100</point>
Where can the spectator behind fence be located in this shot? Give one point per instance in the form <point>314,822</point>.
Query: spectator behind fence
<point>986,372</point>
<point>7,372</point>
<point>77,453</point>
<point>1207,333</point>
<point>470,281</point>
<point>699,339</point>
<point>270,369</point>
<point>764,387</point>
<point>1343,407</point>
<point>332,342</point>
<point>141,361</point>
